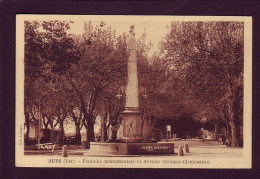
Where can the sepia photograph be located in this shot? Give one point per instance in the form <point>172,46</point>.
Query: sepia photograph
<point>127,91</point>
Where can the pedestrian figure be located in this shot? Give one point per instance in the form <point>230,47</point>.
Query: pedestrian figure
<point>220,140</point>
<point>64,140</point>
<point>223,139</point>
<point>130,131</point>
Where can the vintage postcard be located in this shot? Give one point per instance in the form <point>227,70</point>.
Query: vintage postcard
<point>133,91</point>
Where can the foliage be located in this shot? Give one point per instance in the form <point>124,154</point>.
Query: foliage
<point>208,59</point>
<point>49,52</point>
<point>199,72</point>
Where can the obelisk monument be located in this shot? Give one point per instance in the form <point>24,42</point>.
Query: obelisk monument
<point>129,133</point>
<point>132,101</point>
<point>130,129</point>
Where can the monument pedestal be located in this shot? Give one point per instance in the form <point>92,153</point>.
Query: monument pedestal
<point>130,129</point>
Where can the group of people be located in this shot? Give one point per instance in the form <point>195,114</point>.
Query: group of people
<point>223,139</point>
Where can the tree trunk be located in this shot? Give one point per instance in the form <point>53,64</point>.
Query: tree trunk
<point>105,133</point>
<point>216,132</point>
<point>78,135</point>
<point>237,107</point>
<point>27,125</point>
<point>45,125</point>
<point>142,123</point>
<point>102,136</point>
<point>87,144</point>
<point>233,106</point>
<point>234,126</point>
<point>90,132</point>
<point>26,136</point>
<point>114,135</point>
<point>90,137</point>
<point>234,141</point>
<point>62,141</point>
<point>51,123</point>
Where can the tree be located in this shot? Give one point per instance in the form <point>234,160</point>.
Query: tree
<point>32,71</point>
<point>102,63</point>
<point>115,94</point>
<point>208,56</point>
<point>113,106</point>
<point>77,116</point>
<point>49,53</point>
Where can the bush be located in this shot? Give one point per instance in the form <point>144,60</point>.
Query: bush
<point>30,141</point>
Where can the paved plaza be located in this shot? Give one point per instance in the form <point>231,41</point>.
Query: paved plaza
<point>198,149</point>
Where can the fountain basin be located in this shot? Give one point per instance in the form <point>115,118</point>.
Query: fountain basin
<point>106,149</point>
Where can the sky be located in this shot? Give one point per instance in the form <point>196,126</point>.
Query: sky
<point>153,26</point>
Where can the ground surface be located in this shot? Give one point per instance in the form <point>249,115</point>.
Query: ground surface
<point>198,149</point>
<point>209,149</point>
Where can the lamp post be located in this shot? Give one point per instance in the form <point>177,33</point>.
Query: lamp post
<point>118,112</point>
<point>144,113</point>
<point>39,123</point>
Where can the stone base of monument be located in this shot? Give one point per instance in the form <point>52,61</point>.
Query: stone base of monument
<point>113,149</point>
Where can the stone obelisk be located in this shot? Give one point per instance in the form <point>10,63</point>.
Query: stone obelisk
<point>130,129</point>
<point>132,101</point>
